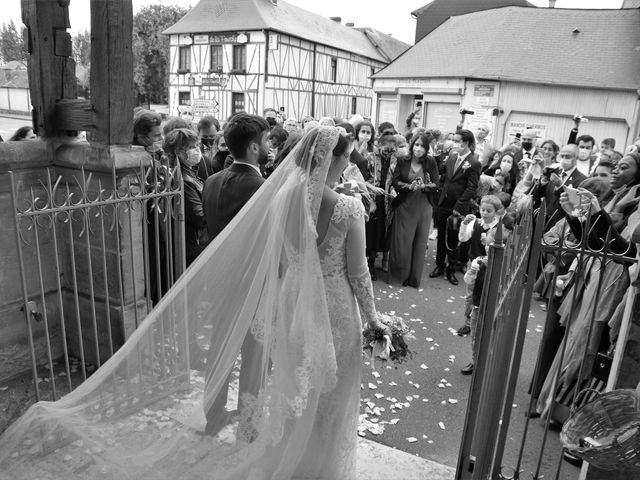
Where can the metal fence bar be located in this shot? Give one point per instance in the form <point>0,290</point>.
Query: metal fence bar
<point>485,326</point>
<point>105,276</point>
<point>520,335</point>
<point>23,281</point>
<point>45,316</point>
<point>63,325</point>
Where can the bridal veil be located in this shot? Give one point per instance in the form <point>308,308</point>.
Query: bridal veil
<point>141,415</point>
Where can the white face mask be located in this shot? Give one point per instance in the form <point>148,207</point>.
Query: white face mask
<point>403,151</point>
<point>193,157</point>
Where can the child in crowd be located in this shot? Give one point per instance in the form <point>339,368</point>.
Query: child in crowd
<point>476,231</point>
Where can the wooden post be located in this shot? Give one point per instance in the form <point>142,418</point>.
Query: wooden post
<point>52,70</point>
<point>112,71</point>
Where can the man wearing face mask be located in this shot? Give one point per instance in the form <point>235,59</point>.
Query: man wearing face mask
<point>223,196</point>
<point>208,127</point>
<point>554,180</point>
<point>528,153</point>
<point>459,185</point>
<point>147,132</point>
<point>587,159</point>
<point>271,116</point>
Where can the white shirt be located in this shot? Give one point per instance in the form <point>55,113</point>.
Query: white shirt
<point>584,166</point>
<point>257,169</point>
<point>466,231</point>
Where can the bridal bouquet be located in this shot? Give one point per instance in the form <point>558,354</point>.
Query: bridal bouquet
<point>380,348</point>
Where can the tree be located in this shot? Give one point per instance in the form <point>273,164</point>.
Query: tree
<point>151,50</point>
<point>11,43</point>
<point>82,48</point>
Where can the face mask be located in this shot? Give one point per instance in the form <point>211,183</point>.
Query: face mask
<point>207,142</point>
<point>155,147</point>
<point>457,145</point>
<point>272,122</point>
<point>527,145</point>
<point>584,154</point>
<point>403,151</point>
<point>193,157</point>
<point>418,152</point>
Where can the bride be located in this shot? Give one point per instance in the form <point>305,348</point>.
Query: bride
<point>290,269</point>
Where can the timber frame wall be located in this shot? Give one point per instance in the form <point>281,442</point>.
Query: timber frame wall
<point>284,72</point>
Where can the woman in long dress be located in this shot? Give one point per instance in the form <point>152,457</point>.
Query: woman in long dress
<point>291,269</point>
<point>416,179</point>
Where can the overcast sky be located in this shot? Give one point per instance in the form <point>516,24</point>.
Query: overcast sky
<point>390,17</point>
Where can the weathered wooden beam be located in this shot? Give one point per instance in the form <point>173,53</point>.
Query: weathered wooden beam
<point>51,68</point>
<point>75,115</point>
<point>112,71</point>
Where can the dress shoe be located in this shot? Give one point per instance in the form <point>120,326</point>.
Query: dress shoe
<point>555,425</point>
<point>468,370</point>
<point>451,276</point>
<point>532,414</point>
<point>437,272</point>
<point>464,330</point>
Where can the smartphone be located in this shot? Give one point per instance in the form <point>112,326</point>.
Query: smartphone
<point>574,195</point>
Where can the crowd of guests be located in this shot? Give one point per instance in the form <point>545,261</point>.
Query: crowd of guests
<point>453,186</point>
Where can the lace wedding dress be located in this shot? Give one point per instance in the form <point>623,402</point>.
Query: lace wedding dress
<point>141,416</point>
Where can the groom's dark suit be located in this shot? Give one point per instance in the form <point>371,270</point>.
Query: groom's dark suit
<point>223,196</point>
<point>225,193</point>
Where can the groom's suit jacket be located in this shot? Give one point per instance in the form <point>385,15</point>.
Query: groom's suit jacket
<point>225,193</point>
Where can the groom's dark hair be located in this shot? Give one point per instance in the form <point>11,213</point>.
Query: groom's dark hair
<point>241,131</point>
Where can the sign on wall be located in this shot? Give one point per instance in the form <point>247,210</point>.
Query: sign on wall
<point>514,127</point>
<point>224,37</point>
<point>204,106</point>
<point>200,39</point>
<point>484,94</point>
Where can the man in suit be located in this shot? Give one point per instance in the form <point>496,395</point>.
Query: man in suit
<point>459,186</point>
<point>551,185</point>
<point>525,155</point>
<point>223,196</point>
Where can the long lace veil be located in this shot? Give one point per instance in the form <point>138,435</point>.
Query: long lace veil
<point>141,415</point>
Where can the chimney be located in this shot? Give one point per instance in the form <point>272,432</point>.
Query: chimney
<point>350,24</point>
<point>552,3</point>
<point>336,19</point>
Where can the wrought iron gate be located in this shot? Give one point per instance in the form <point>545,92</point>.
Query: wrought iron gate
<point>96,250</point>
<point>504,314</point>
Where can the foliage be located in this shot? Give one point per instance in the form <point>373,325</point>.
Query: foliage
<point>12,45</point>
<point>82,48</point>
<point>151,50</point>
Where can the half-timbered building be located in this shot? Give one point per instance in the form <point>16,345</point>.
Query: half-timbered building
<point>247,55</point>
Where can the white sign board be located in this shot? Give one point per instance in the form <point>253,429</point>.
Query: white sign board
<point>514,127</point>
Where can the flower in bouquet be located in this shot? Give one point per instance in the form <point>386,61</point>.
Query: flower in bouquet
<point>380,347</point>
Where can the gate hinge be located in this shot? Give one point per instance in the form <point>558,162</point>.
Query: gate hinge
<point>32,308</point>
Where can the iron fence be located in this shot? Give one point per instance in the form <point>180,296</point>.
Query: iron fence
<point>95,251</point>
<point>513,266</point>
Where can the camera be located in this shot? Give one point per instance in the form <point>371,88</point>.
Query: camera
<point>466,111</point>
<point>580,119</point>
<point>555,168</point>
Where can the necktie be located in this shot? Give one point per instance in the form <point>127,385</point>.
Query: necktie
<point>458,162</point>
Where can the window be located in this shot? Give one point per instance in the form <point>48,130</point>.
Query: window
<point>334,70</point>
<point>237,102</point>
<point>184,61</point>
<point>184,98</point>
<point>216,59</point>
<point>240,58</point>
<point>354,105</point>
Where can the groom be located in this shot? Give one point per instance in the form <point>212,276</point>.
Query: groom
<point>223,196</point>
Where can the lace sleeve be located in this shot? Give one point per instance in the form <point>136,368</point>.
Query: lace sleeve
<point>357,268</point>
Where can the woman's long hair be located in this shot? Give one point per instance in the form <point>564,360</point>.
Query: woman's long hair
<point>370,143</point>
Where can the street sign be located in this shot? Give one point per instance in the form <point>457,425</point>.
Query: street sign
<point>204,106</point>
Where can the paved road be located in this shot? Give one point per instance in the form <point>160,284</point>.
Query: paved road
<point>424,400</point>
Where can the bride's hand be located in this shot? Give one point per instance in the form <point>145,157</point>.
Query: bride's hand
<point>378,325</point>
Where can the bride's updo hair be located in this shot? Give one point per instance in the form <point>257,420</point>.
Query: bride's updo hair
<point>341,146</point>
